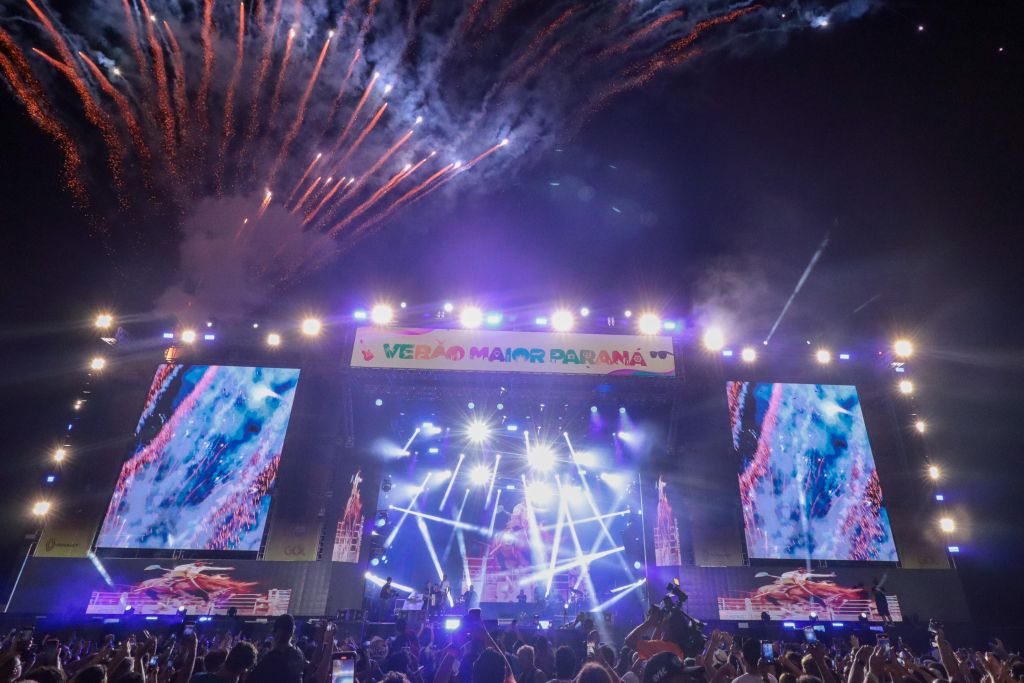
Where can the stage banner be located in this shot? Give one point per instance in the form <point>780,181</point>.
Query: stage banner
<point>504,351</point>
<point>293,539</point>
<point>67,536</point>
<point>106,586</point>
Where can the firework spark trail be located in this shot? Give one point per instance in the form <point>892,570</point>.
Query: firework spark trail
<point>275,98</point>
<point>327,198</point>
<point>261,76</point>
<point>135,45</point>
<point>305,195</point>
<point>397,204</point>
<point>639,35</point>
<point>300,114</point>
<point>364,30</point>
<point>539,39</point>
<point>30,92</point>
<point>471,15</point>
<point>496,18</point>
<point>123,106</point>
<point>383,190</point>
<point>180,86</point>
<point>162,90</point>
<point>376,167</point>
<point>202,98</point>
<point>305,174</point>
<point>362,136</point>
<point>93,112</point>
<point>341,91</point>
<point>229,98</point>
<point>266,202</point>
<point>355,115</point>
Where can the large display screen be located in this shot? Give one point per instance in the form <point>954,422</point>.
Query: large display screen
<point>207,449</point>
<point>530,502</point>
<point>808,484</point>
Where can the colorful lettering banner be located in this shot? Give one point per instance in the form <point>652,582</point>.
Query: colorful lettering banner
<point>502,351</point>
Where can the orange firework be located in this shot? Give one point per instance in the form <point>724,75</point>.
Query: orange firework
<point>539,39</point>
<point>135,45</point>
<point>266,202</point>
<point>640,34</point>
<point>362,136</point>
<point>327,198</point>
<point>124,107</point>
<point>341,90</point>
<point>471,14</point>
<point>376,196</point>
<point>382,160</point>
<point>261,75</point>
<point>95,115</point>
<point>305,195</point>
<point>300,113</point>
<point>398,203</point>
<point>208,57</point>
<point>355,114</point>
<point>30,92</point>
<point>229,97</point>
<point>180,89</point>
<point>304,175</point>
<point>162,91</point>
<point>275,98</point>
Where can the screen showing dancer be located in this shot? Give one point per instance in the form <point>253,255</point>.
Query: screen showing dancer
<point>533,503</point>
<point>207,448</point>
<point>808,484</point>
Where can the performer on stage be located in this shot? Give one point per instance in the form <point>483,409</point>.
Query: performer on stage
<point>445,591</point>
<point>470,599</point>
<point>387,593</point>
<point>521,598</point>
<point>430,598</point>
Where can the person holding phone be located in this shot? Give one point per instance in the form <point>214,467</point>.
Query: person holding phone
<point>240,659</point>
<point>756,667</point>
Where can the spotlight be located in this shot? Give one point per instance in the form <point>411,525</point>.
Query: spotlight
<point>906,387</point>
<point>584,312</point>
<point>478,431</point>
<point>903,348</point>
<point>104,321</point>
<point>863,618</point>
<point>494,318</point>
<point>452,624</point>
<point>273,339</point>
<point>359,314</point>
<point>714,339</point>
<point>480,475</point>
<point>189,336</point>
<point>823,356</point>
<point>813,616</point>
<point>539,493</point>
<point>311,327</point>
<point>946,524</point>
<point>541,457</point>
<point>379,402</point>
<point>41,508</point>
<point>637,565</point>
<point>448,307</point>
<point>129,609</point>
<point>748,355</point>
<point>562,320</point>
<point>627,313</point>
<point>59,455</point>
<point>934,472</point>
<point>182,611</point>
<point>98,363</point>
<point>593,409</point>
<point>921,426</point>
<point>382,314</point>
<point>648,323</point>
<point>471,317</point>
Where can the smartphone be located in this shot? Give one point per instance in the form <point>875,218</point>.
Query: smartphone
<point>189,629</point>
<point>809,635</point>
<point>590,649</point>
<point>883,642</point>
<point>343,667</point>
<point>153,661</point>
<point>767,651</point>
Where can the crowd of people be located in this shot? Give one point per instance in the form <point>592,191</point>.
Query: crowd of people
<point>668,647</point>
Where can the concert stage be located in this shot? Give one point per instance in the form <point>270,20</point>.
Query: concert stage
<point>551,472</point>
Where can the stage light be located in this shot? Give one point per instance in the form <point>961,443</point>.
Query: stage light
<point>500,406</point>
<point>129,609</point>
<point>189,336</point>
<point>637,565</point>
<point>494,318</point>
<point>940,497</point>
<point>823,356</point>
<point>382,314</point>
<point>903,348</point>
<point>953,548</point>
<point>622,410</point>
<point>444,475</point>
<point>448,307</point>
<point>182,611</point>
<point>59,455</point>
<point>748,355</point>
<point>934,472</point>
<point>728,353</point>
<point>584,458</point>
<point>452,623</point>
<point>906,387</point>
<point>273,340</point>
<point>612,479</point>
<point>863,617</point>
<point>379,402</point>
<point>104,321</point>
<point>539,493</point>
<point>562,320</point>
<point>627,313</point>
<point>921,426</point>
<point>540,321</point>
<point>813,616</point>
<point>168,335</point>
<point>50,478</point>
<point>512,428</point>
<point>478,431</point>
<point>41,508</point>
<point>584,312</point>
<point>648,323</point>
<point>471,405</point>
<point>670,325</point>
<point>947,525</point>
<point>480,475</point>
<point>714,339</point>
<point>844,356</point>
<point>98,363</point>
<point>541,457</point>
<point>209,337</point>
<point>360,314</point>
<point>471,317</point>
<point>311,327</point>
<point>374,562</point>
<point>593,409</point>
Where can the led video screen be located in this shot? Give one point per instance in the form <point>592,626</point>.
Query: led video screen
<point>808,484</point>
<point>207,449</point>
<point>528,502</point>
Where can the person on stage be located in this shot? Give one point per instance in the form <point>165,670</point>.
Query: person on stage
<point>470,598</point>
<point>430,598</point>
<point>446,590</point>
<point>387,592</point>
<point>521,598</point>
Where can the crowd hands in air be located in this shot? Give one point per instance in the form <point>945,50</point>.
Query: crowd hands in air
<point>668,647</point>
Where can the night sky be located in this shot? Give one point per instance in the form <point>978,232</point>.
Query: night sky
<point>711,187</point>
